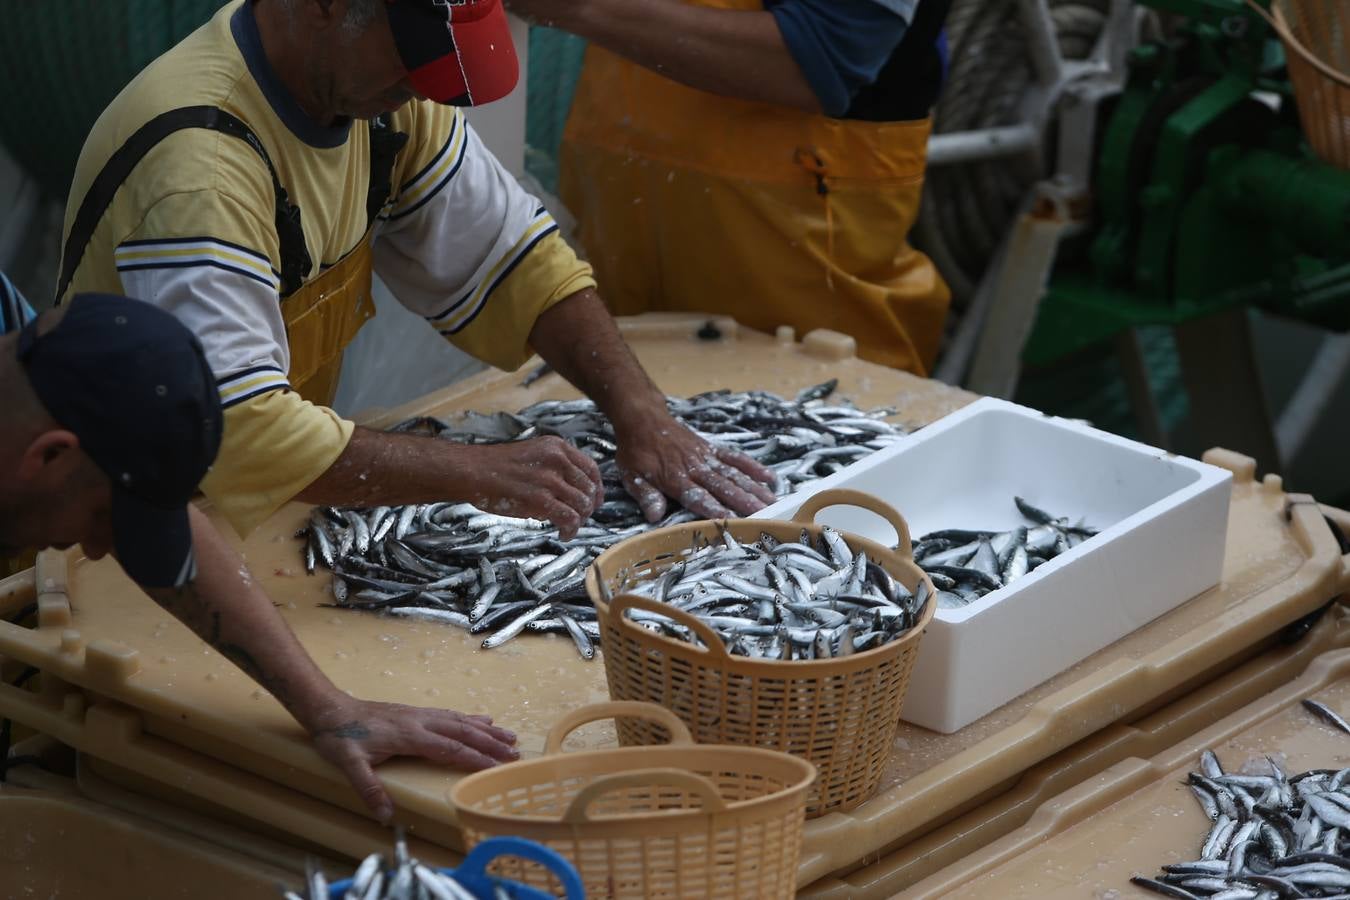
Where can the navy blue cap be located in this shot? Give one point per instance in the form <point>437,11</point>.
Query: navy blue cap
<point>133,385</point>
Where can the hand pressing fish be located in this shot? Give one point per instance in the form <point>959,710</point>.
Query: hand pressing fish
<point>503,576</point>
<point>965,565</point>
<point>789,600</point>
<point>1271,835</point>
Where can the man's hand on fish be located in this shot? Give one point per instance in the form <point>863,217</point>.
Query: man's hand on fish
<point>667,460</point>
<point>543,478</point>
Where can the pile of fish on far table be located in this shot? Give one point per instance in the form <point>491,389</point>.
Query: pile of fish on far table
<point>1272,835</point>
<point>782,600</point>
<point>501,576</point>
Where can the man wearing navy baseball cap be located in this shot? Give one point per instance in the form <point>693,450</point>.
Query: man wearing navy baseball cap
<point>131,394</point>
<point>112,418</point>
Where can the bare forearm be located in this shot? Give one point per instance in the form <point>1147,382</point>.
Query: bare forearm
<point>541,478</point>
<point>228,610</point>
<point>580,340</point>
<point>382,469</point>
<point>735,53</point>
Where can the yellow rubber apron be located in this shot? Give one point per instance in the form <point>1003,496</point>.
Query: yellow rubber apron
<point>690,201</point>
<point>322,318</point>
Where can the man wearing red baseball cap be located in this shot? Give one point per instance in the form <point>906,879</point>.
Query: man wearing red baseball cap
<point>235,184</point>
<point>458,53</point>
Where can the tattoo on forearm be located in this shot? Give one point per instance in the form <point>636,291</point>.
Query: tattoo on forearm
<point>244,660</point>
<point>351,730</point>
<point>184,604</point>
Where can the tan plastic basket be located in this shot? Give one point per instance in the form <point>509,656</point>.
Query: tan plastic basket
<point>841,714</point>
<point>1316,38</point>
<point>678,820</point>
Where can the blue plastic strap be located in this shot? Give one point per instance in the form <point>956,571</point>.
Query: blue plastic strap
<point>474,865</point>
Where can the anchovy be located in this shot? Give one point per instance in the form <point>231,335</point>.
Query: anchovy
<point>430,615</point>
<point>585,644</point>
<point>516,626</point>
<point>1327,715</point>
<point>1161,887</point>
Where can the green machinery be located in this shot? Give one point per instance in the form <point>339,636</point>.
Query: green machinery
<point>1206,196</point>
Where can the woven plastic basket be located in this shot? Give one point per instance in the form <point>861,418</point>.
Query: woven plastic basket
<point>671,821</point>
<point>841,714</point>
<point>1316,38</point>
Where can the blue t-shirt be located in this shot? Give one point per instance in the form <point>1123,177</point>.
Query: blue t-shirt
<point>14,309</point>
<point>843,46</point>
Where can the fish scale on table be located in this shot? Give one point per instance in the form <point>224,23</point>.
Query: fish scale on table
<point>466,565</point>
<point>1271,835</point>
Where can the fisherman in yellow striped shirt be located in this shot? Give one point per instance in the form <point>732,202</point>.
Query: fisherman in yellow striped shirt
<point>249,180</point>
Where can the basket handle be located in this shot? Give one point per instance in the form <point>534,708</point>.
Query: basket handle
<point>1276,19</point>
<point>577,810</point>
<point>806,514</point>
<point>711,641</point>
<point>632,709</point>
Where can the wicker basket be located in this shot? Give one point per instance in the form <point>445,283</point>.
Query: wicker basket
<point>1316,38</point>
<point>841,714</point>
<point>679,820</point>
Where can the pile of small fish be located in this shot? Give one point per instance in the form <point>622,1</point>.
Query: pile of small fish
<point>455,563</point>
<point>782,600</point>
<point>1273,836</point>
<point>965,565</point>
<point>406,879</point>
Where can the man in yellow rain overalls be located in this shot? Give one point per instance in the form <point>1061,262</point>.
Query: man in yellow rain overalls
<point>250,179</point>
<point>759,158</point>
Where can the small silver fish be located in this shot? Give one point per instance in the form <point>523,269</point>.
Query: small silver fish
<point>1327,715</point>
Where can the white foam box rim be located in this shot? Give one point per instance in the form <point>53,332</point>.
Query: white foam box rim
<point>1163,523</point>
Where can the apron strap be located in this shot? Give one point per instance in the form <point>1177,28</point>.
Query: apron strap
<point>384,149</point>
<point>295,258</point>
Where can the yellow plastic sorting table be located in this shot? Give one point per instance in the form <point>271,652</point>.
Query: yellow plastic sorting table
<point>125,683</point>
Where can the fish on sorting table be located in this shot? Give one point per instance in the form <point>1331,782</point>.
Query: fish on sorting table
<point>454,563</point>
<point>1326,714</point>
<point>781,601</point>
<point>966,564</point>
<point>377,879</point>
<point>1271,835</point>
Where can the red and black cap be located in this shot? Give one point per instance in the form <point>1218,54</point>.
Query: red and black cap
<point>133,385</point>
<point>457,52</point>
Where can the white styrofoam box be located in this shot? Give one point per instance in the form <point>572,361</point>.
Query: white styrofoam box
<point>1163,522</point>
